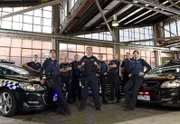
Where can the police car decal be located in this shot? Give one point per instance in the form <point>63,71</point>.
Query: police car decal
<point>12,85</point>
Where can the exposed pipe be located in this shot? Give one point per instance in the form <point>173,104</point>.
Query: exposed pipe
<point>105,20</point>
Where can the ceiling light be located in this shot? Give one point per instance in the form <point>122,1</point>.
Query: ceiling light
<point>135,1</point>
<point>115,22</point>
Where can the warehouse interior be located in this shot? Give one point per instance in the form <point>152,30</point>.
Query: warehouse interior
<point>33,27</point>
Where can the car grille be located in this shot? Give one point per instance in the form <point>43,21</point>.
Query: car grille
<point>150,84</point>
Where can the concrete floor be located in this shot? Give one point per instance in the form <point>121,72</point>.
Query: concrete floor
<point>110,114</point>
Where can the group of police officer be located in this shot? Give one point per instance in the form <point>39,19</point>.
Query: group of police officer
<point>78,76</point>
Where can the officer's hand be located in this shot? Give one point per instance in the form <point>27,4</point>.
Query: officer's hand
<point>42,81</point>
<point>130,75</point>
<point>121,77</point>
<point>141,74</point>
<point>105,73</point>
<point>83,64</point>
<point>97,75</point>
<point>95,63</point>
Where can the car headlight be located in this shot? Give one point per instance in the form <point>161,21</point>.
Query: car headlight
<point>171,84</point>
<point>31,87</point>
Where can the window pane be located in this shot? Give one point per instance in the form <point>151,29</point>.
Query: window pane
<point>17,26</point>
<point>26,60</point>
<point>4,51</point>
<point>47,22</point>
<point>102,49</point>
<point>15,51</point>
<point>36,28</point>
<point>38,12</point>
<point>49,8</point>
<point>47,14</point>
<point>71,47</point>
<point>37,52</point>
<point>16,43</point>
<point>17,60</point>
<point>110,50</point>
<point>143,53</point>
<point>80,48</point>
<point>27,27</point>
<point>6,24</point>
<point>45,53</point>
<point>109,57</point>
<point>63,46</point>
<point>27,44</point>
<point>26,52</point>
<point>80,55</point>
<point>71,56</point>
<point>5,41</point>
<point>47,45</point>
<point>37,44</point>
<point>27,19</point>
<point>47,29</point>
<point>95,49</point>
<point>37,20</point>
<point>62,55</point>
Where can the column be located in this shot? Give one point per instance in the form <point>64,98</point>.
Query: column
<point>116,47</point>
<point>55,27</point>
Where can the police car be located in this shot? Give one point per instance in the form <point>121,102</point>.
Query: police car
<point>162,85</point>
<point>19,90</point>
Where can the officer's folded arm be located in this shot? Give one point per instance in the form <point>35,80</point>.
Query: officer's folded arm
<point>112,66</point>
<point>64,70</point>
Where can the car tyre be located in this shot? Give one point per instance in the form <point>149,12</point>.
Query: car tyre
<point>7,103</point>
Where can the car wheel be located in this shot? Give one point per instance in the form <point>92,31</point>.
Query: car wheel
<point>7,103</point>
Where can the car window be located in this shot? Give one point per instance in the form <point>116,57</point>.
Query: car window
<point>166,71</point>
<point>12,70</point>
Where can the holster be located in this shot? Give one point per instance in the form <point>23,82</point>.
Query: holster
<point>84,82</point>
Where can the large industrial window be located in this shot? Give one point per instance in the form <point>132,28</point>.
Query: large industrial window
<point>21,50</point>
<point>69,50</point>
<point>135,34</point>
<point>98,36</point>
<point>171,28</point>
<point>34,21</point>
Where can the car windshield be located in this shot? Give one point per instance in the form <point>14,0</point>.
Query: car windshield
<point>165,70</point>
<point>17,69</point>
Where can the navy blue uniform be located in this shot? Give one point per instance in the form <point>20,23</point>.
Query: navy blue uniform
<point>89,79</point>
<point>34,65</point>
<point>103,79</point>
<point>126,65</point>
<point>52,72</point>
<point>66,78</point>
<point>113,77</point>
<point>135,82</point>
<point>76,89</point>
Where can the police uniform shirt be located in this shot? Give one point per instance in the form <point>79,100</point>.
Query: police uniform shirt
<point>138,66</point>
<point>34,65</point>
<point>63,66</point>
<point>51,68</point>
<point>103,67</point>
<point>75,69</point>
<point>89,68</point>
<point>114,70</point>
<point>127,65</point>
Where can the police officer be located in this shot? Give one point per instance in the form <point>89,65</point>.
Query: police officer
<point>113,77</point>
<point>125,68</point>
<point>51,67</point>
<point>103,73</point>
<point>89,63</point>
<point>134,84</point>
<point>34,65</point>
<point>66,76</point>
<point>76,89</point>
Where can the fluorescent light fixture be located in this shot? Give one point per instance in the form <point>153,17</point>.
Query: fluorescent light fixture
<point>131,14</point>
<point>115,22</point>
